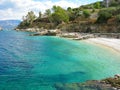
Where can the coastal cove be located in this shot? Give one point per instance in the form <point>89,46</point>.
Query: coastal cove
<point>33,63</point>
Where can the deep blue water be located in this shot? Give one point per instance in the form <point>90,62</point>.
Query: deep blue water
<point>38,62</point>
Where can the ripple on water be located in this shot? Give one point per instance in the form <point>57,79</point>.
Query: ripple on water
<point>33,63</point>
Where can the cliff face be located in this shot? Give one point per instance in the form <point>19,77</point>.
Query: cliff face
<point>91,28</point>
<point>80,27</point>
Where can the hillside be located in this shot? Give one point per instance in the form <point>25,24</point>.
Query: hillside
<point>95,17</point>
<point>9,24</point>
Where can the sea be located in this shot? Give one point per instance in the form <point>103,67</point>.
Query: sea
<point>39,62</point>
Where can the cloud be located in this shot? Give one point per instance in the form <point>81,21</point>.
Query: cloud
<point>15,9</point>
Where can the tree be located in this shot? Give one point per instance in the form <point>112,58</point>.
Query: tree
<point>118,18</point>
<point>104,15</point>
<point>54,8</point>
<point>48,12</point>
<point>40,15</point>
<point>48,15</point>
<point>71,14</point>
<point>69,9</point>
<point>59,15</point>
<point>86,13</point>
<point>97,5</point>
<point>30,17</point>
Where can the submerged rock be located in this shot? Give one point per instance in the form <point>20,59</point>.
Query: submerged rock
<point>105,84</point>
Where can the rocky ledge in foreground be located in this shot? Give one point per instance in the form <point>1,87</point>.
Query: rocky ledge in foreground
<point>105,84</point>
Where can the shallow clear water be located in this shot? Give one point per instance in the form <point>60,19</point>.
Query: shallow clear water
<point>37,63</point>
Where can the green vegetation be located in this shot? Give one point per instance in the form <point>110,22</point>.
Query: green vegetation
<point>40,15</point>
<point>108,13</point>
<point>114,3</point>
<point>97,5</point>
<point>74,19</point>
<point>104,15</point>
<point>30,17</point>
<point>86,13</point>
<point>59,15</point>
<point>118,18</point>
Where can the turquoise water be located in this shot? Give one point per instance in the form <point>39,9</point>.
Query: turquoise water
<point>37,63</point>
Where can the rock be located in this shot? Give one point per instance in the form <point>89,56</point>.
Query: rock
<point>117,76</point>
<point>106,84</point>
<point>47,33</point>
<point>30,29</point>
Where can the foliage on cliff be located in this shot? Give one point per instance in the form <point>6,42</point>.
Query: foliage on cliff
<point>73,19</point>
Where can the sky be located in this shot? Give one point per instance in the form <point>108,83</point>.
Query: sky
<point>15,9</point>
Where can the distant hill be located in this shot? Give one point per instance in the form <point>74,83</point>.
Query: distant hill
<point>9,24</point>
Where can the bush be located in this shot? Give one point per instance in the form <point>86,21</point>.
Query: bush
<point>114,3</point>
<point>118,18</point>
<point>104,16</point>
<point>93,10</point>
<point>59,15</point>
<point>97,5</point>
<point>86,13</point>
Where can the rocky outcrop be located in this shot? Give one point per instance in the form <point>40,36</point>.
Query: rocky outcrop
<point>77,36</point>
<point>105,84</point>
<point>47,33</point>
<point>107,35</point>
<point>91,28</point>
<point>31,29</point>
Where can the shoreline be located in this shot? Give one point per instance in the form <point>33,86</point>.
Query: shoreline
<point>110,43</point>
<point>111,83</point>
<point>109,40</point>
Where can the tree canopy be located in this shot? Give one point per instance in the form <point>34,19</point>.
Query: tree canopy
<point>59,15</point>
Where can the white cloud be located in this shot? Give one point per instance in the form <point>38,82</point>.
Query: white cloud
<point>21,7</point>
<point>1,1</point>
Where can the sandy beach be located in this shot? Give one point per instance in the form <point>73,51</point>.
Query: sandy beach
<point>108,42</point>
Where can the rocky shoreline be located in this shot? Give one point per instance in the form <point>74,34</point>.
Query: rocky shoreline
<point>112,83</point>
<point>71,35</point>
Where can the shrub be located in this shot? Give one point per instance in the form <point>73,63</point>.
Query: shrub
<point>93,10</point>
<point>97,5</point>
<point>59,15</point>
<point>103,16</point>
<point>114,3</point>
<point>86,13</point>
<point>118,18</point>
